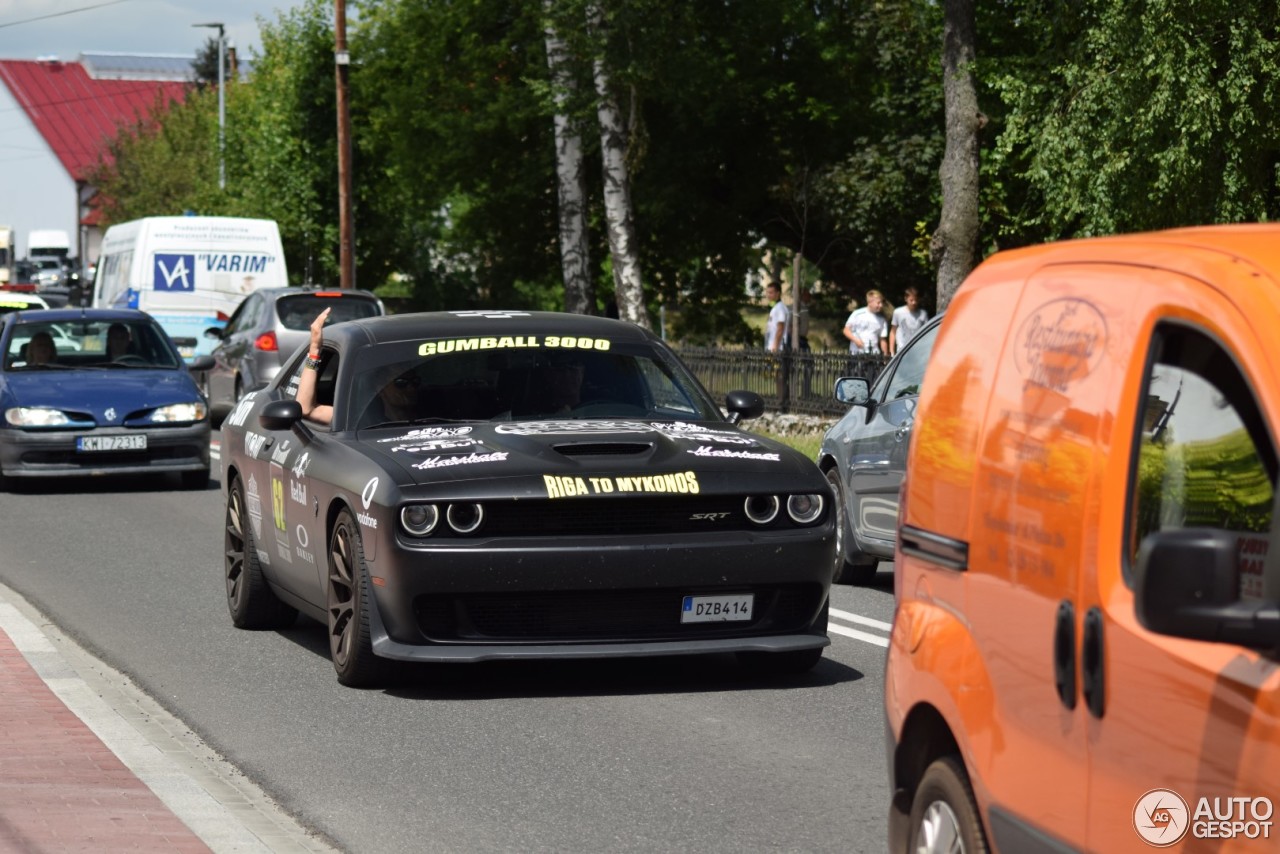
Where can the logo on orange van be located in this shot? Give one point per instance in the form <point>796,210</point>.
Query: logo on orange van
<point>1161,817</point>
<point>1061,342</point>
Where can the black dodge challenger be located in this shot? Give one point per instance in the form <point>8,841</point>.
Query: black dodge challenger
<point>505,485</point>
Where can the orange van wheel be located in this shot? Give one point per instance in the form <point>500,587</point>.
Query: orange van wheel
<point>944,813</point>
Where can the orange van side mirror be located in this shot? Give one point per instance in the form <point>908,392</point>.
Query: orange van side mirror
<point>1187,585</point>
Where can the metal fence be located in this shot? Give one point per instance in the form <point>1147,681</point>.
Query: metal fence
<point>794,381</point>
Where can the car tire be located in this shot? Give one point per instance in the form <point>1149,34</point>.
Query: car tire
<point>347,595</point>
<point>944,813</point>
<point>862,570</point>
<point>249,597</point>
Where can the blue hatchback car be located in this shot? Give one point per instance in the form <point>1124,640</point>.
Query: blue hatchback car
<point>98,392</point>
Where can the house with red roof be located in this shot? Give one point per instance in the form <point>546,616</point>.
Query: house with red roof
<point>56,119</point>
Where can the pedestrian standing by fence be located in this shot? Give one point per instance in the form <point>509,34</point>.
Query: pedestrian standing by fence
<point>867,329</point>
<point>775,331</point>
<point>776,338</point>
<point>907,321</point>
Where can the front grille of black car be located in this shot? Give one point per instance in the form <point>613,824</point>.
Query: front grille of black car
<point>616,516</point>
<point>603,616</point>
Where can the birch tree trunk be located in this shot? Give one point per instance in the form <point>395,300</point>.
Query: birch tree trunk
<point>954,247</point>
<point>575,255</point>
<point>617,189</point>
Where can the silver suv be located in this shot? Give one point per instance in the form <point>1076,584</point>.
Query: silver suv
<point>265,330</point>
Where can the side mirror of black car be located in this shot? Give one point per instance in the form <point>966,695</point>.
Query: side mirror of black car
<point>743,405</point>
<point>201,363</point>
<point>853,390</point>
<point>280,414</point>
<point>1187,585</point>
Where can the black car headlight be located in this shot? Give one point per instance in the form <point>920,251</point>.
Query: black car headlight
<point>761,509</point>
<point>804,509</point>
<point>465,518</point>
<point>419,520</point>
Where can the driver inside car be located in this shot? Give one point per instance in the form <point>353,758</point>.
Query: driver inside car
<point>556,387</point>
<point>118,340</point>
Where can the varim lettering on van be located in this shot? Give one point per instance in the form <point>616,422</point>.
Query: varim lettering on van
<point>230,262</point>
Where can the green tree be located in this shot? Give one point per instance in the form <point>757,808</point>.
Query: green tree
<point>164,165</point>
<point>282,141</point>
<point>1155,114</point>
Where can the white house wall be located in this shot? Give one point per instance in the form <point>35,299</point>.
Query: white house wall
<point>35,190</point>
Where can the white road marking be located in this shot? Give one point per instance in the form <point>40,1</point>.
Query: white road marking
<point>876,640</point>
<point>862,621</point>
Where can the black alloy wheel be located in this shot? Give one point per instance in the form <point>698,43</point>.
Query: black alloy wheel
<point>350,643</point>
<point>249,597</point>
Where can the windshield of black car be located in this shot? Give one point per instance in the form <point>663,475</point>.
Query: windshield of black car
<point>524,384</point>
<point>297,311</point>
<point>97,344</point>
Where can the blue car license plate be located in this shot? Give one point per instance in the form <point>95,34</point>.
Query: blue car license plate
<point>111,443</point>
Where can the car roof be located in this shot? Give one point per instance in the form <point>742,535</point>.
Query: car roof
<point>62,315</point>
<point>465,324</point>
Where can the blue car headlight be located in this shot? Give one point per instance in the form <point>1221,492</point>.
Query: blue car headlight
<point>36,416</point>
<point>176,413</point>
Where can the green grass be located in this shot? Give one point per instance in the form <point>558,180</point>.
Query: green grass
<point>807,445</point>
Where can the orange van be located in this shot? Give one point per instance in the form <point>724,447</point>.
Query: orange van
<point>1084,648</point>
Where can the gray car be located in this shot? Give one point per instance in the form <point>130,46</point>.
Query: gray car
<point>265,330</point>
<point>864,456</point>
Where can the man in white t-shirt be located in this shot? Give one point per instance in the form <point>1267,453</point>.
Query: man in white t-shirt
<point>866,328</point>
<point>907,321</point>
<point>775,331</point>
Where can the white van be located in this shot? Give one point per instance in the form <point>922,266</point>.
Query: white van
<point>188,272</point>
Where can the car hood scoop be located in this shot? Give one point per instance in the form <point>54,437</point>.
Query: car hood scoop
<point>602,449</point>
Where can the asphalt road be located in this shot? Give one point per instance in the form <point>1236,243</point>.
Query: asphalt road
<point>677,754</point>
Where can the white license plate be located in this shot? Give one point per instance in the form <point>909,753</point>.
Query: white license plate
<point>716,609</point>
<point>187,352</point>
<point>111,443</point>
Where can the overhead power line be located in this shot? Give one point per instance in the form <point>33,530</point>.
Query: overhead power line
<point>64,12</point>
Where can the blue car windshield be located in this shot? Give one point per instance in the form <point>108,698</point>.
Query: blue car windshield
<point>96,344</point>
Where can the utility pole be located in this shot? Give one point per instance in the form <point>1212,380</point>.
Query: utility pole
<point>341,62</point>
<point>222,105</point>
